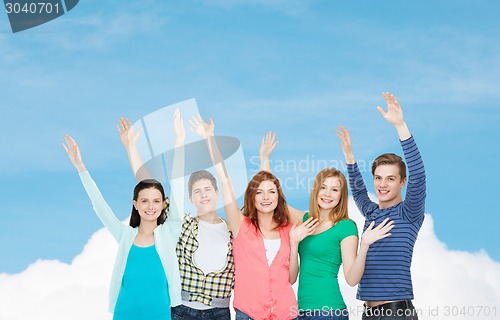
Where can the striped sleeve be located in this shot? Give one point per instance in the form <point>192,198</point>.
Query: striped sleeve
<point>359,192</point>
<point>414,203</point>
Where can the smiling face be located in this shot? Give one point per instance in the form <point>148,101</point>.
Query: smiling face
<point>328,199</point>
<point>388,185</point>
<point>204,196</point>
<point>149,204</point>
<point>329,194</point>
<point>266,197</point>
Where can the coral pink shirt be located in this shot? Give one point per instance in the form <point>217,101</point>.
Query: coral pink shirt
<point>261,291</point>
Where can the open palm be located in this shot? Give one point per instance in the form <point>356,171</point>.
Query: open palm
<point>299,231</point>
<point>73,152</point>
<point>381,231</point>
<point>268,144</point>
<point>394,114</point>
<point>202,128</point>
<point>345,139</point>
<point>128,136</point>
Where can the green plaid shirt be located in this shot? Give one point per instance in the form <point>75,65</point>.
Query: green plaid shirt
<point>202,288</point>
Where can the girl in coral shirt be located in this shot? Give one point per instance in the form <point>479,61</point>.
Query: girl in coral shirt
<point>264,241</point>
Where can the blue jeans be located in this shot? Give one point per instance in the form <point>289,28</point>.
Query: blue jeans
<point>339,314</point>
<point>186,313</point>
<point>240,315</point>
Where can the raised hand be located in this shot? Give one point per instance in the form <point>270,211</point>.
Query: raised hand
<point>381,231</point>
<point>345,139</point>
<point>299,231</point>
<point>180,131</point>
<point>268,144</point>
<point>394,114</point>
<point>202,128</point>
<point>73,152</point>
<point>127,132</point>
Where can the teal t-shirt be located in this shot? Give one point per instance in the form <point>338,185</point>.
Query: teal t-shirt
<point>144,290</point>
<point>320,260</point>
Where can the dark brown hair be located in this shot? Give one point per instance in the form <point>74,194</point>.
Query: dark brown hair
<point>135,218</point>
<point>200,175</point>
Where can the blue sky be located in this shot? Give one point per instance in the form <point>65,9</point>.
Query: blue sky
<point>297,67</point>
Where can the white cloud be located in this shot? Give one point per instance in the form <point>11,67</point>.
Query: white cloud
<point>54,290</point>
<point>447,283</point>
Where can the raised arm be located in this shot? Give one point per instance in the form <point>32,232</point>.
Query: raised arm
<point>177,176</point>
<point>100,206</point>
<point>206,131</point>
<point>129,138</point>
<point>414,203</point>
<point>358,188</point>
<point>74,154</point>
<point>267,146</point>
<point>353,262</point>
<point>345,139</point>
<point>394,116</point>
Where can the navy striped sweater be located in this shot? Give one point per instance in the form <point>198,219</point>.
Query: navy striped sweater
<point>387,270</point>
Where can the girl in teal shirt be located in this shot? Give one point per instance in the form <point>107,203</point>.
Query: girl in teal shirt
<point>145,281</point>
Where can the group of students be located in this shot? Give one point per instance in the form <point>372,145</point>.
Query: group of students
<point>172,265</point>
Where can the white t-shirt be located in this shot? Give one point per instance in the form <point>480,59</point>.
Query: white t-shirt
<point>211,255</point>
<point>213,240</point>
<point>272,246</point>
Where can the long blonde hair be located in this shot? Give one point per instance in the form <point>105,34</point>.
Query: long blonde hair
<point>337,213</point>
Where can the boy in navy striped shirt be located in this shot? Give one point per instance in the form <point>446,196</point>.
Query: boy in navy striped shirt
<point>386,285</point>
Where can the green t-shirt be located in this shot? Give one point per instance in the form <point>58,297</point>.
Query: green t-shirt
<point>320,261</point>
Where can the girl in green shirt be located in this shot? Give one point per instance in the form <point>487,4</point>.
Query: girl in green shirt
<point>333,243</point>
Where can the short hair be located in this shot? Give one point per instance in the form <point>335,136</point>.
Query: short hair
<point>280,215</point>
<point>200,175</point>
<point>337,213</point>
<point>390,158</point>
